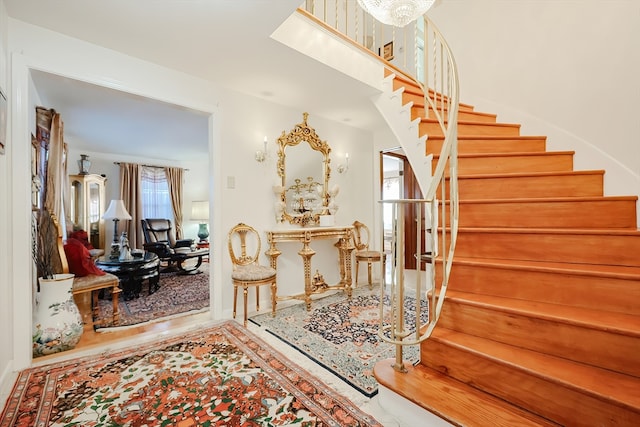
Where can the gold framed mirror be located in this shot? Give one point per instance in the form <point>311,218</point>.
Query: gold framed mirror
<point>303,166</point>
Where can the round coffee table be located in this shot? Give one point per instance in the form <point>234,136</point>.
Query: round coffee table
<point>133,272</point>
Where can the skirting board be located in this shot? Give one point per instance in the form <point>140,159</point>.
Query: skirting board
<point>407,413</point>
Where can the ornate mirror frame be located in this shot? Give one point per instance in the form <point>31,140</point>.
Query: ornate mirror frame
<point>302,132</point>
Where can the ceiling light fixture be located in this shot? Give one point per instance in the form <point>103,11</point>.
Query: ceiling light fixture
<point>396,12</point>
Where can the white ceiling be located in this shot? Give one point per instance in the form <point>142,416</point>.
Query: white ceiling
<point>224,41</point>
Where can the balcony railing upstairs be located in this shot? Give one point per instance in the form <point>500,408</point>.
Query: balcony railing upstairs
<point>418,53</point>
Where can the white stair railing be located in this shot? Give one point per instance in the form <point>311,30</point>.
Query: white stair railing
<point>426,60</point>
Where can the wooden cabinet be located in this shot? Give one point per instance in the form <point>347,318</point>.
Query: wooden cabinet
<point>88,206</point>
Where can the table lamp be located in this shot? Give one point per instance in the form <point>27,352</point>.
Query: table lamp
<point>116,211</point>
<point>200,213</point>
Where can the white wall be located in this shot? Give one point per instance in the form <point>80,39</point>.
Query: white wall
<point>6,311</point>
<point>567,69</point>
<point>237,126</point>
<point>247,120</point>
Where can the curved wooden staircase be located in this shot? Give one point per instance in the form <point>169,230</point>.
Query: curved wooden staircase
<point>541,323</point>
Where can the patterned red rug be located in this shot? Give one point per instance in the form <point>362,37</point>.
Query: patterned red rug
<point>177,295</point>
<point>220,376</point>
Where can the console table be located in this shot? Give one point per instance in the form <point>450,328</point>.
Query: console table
<point>315,284</point>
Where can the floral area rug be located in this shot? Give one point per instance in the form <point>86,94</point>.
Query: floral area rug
<point>341,334</point>
<point>178,295</point>
<point>223,375</point>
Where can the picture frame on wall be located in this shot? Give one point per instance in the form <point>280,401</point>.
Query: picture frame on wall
<point>387,51</point>
<point>3,121</point>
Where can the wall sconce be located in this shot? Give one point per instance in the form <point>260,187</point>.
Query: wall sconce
<point>343,168</point>
<point>261,156</point>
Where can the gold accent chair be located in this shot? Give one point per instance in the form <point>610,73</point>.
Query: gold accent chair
<point>247,271</point>
<point>362,252</point>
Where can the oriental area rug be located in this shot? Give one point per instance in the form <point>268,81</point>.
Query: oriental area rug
<point>178,295</point>
<point>222,375</point>
<point>341,334</point>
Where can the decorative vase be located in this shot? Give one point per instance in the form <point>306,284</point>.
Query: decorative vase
<point>57,322</point>
<point>84,164</point>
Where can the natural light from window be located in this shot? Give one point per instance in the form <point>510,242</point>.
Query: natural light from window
<point>156,201</point>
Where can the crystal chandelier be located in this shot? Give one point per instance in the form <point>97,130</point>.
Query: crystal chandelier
<point>396,12</point>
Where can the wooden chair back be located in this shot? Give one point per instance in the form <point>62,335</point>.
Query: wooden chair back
<point>244,245</point>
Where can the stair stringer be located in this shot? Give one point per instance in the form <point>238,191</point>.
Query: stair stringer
<point>406,131</point>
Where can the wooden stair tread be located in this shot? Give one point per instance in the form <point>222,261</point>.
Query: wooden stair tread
<point>625,324</point>
<point>613,271</point>
<point>596,382</point>
<point>493,137</point>
<point>481,115</point>
<point>453,400</point>
<point>553,199</point>
<point>568,231</point>
<point>532,174</point>
<point>471,122</point>
<point>412,87</point>
<point>516,154</point>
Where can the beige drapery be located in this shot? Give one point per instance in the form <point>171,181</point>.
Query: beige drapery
<point>130,193</point>
<point>56,169</point>
<point>50,134</point>
<point>174,181</point>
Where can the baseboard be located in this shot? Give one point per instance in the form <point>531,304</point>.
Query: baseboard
<point>407,413</point>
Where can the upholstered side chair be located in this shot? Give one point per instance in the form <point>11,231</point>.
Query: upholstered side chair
<point>244,250</point>
<point>363,254</point>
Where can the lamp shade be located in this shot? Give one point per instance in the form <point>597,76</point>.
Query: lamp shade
<point>200,211</point>
<point>116,210</point>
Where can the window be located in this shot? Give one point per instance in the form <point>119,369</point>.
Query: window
<point>156,200</point>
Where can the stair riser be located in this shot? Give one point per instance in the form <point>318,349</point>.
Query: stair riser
<point>598,292</point>
<point>487,164</point>
<point>470,128</point>
<point>562,404</point>
<point>418,112</point>
<point>417,99</point>
<point>583,214</point>
<point>610,350</point>
<point>608,249</point>
<point>531,186</point>
<point>468,146</point>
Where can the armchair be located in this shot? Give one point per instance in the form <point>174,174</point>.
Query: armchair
<point>159,239</point>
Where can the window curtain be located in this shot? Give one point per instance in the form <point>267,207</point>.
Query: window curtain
<point>50,134</point>
<point>130,193</point>
<point>56,169</point>
<point>174,179</point>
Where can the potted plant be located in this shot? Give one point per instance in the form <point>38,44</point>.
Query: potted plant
<point>57,322</point>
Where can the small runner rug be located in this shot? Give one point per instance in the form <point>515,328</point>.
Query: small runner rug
<point>223,375</point>
<point>341,334</point>
<point>178,295</point>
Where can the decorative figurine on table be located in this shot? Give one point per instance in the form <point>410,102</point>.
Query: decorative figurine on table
<point>125,250</point>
